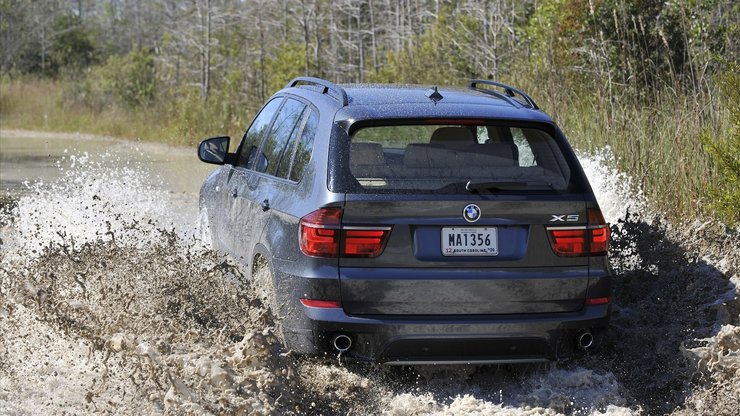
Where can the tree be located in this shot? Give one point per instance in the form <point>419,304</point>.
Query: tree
<point>72,47</point>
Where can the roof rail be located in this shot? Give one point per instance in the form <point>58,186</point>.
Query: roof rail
<point>511,92</point>
<point>325,87</point>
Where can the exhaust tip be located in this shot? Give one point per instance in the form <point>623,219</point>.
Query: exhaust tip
<point>585,340</point>
<point>341,342</point>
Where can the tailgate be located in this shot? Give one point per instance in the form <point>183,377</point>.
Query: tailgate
<point>435,262</point>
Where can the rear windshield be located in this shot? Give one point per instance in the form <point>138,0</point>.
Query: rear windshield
<point>457,159</point>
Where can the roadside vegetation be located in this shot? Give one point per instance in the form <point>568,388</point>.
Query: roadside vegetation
<point>656,82</point>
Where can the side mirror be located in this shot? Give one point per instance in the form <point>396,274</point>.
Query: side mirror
<point>214,150</point>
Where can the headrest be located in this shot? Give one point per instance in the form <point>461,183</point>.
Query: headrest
<point>366,154</point>
<point>452,137</point>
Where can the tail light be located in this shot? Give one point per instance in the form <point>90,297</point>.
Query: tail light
<point>364,242</point>
<point>588,240</point>
<point>319,232</point>
<point>321,235</point>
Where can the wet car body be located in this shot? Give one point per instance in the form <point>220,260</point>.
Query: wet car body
<point>401,299</point>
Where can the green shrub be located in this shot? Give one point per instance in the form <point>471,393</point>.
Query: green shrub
<point>128,81</point>
<point>73,47</point>
<point>132,78</point>
<point>289,62</point>
<point>726,151</point>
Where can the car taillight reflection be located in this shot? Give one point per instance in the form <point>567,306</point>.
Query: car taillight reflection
<point>588,240</point>
<point>321,235</point>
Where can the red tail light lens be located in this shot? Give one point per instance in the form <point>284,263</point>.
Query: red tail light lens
<point>364,242</point>
<point>590,240</point>
<point>319,232</point>
<point>600,240</point>
<point>320,236</point>
<point>569,242</point>
<point>597,301</point>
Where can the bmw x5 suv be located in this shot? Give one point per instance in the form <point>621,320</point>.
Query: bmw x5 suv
<point>409,225</point>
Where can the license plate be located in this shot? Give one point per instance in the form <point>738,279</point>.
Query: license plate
<point>469,241</point>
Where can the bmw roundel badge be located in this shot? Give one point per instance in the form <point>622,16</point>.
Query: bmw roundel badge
<point>471,213</point>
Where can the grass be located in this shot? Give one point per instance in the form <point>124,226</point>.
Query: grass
<point>656,141</point>
<point>655,136</point>
<point>658,144</point>
<point>41,105</point>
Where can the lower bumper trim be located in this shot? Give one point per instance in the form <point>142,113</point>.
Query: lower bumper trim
<point>468,362</point>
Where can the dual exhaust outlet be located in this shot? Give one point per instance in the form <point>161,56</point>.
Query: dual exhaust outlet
<point>342,342</point>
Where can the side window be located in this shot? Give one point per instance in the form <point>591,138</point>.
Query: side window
<point>287,157</point>
<point>253,136</point>
<point>286,124</point>
<point>305,147</point>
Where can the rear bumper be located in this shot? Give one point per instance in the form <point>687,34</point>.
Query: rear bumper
<point>422,339</point>
<point>472,339</point>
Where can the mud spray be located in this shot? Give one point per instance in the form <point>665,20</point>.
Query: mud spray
<point>109,303</point>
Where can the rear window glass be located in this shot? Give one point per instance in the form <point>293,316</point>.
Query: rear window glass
<point>457,159</point>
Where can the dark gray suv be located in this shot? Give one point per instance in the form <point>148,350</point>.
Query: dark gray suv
<point>410,225</point>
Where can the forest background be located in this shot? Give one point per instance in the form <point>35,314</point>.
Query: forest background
<point>655,83</point>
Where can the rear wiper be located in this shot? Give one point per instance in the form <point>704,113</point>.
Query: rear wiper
<point>493,186</point>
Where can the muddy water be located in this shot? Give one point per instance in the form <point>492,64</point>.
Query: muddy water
<point>29,158</point>
<point>109,303</point>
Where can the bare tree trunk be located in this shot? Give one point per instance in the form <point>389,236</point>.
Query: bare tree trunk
<point>349,37</point>
<point>376,65</point>
<point>360,44</point>
<point>43,48</point>
<point>495,15</point>
<point>137,23</point>
<point>398,27</point>
<point>204,11</point>
<point>317,51</point>
<point>333,39</point>
<point>304,23</point>
<point>263,81</point>
<point>43,15</point>
<point>285,19</point>
<point>208,51</point>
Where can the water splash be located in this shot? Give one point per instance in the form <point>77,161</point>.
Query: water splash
<point>100,198</point>
<point>615,191</point>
